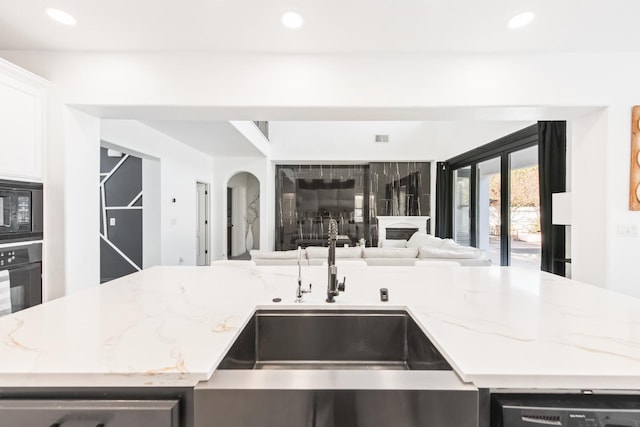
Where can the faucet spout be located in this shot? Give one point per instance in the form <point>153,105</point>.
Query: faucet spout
<point>300,291</point>
<point>333,287</point>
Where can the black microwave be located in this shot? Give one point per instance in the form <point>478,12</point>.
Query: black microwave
<point>20,211</point>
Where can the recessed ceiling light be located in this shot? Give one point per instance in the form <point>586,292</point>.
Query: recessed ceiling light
<point>61,16</point>
<point>521,20</point>
<point>292,20</point>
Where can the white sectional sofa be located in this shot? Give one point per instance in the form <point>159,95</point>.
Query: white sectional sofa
<point>420,246</point>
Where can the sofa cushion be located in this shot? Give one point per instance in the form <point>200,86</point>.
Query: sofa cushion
<point>390,252</point>
<point>316,252</point>
<point>292,254</point>
<point>423,239</point>
<point>452,244</point>
<point>450,253</point>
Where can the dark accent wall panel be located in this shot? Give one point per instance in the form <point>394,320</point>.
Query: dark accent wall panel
<point>125,184</point>
<point>120,215</point>
<point>112,265</point>
<point>126,235</point>
<point>107,163</point>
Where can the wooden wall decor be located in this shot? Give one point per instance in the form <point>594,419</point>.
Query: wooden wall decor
<point>634,182</point>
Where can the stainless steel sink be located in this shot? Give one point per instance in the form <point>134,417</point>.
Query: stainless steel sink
<point>335,368</point>
<point>333,339</point>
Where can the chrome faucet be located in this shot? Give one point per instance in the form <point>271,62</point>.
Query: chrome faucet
<point>300,291</point>
<point>333,287</point>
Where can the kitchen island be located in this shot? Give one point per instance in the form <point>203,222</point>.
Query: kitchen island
<point>499,328</point>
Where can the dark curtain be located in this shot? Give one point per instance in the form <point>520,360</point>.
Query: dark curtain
<point>444,201</point>
<point>552,160</point>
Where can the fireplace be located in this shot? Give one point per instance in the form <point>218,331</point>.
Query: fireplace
<point>398,227</point>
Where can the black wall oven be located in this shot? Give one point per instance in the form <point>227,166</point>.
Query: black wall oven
<point>21,225</point>
<point>20,211</point>
<point>24,263</point>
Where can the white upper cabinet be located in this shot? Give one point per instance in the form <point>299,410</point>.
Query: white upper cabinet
<point>22,120</point>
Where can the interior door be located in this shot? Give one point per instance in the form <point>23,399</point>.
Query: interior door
<point>229,221</point>
<point>202,233</point>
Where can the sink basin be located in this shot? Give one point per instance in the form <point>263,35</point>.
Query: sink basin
<point>333,339</point>
<point>335,368</point>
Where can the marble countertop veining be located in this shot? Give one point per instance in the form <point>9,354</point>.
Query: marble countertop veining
<point>170,326</point>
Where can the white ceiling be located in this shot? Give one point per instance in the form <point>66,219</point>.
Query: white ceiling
<point>331,26</point>
<point>213,138</point>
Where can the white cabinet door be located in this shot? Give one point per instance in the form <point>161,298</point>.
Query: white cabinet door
<point>21,127</point>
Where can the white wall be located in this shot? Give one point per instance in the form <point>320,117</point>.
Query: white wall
<point>589,231</point>
<point>180,168</point>
<point>354,86</point>
<point>82,200</point>
<point>151,219</point>
<point>360,87</point>
<point>623,250</point>
<point>408,140</point>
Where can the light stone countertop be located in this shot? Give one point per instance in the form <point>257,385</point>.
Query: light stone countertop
<point>170,326</point>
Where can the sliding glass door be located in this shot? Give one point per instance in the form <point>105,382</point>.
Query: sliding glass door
<point>489,213</point>
<point>496,202</point>
<point>462,206</point>
<point>524,209</point>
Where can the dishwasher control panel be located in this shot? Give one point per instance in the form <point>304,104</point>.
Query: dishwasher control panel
<point>565,410</point>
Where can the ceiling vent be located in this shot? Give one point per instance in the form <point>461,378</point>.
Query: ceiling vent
<point>382,139</point>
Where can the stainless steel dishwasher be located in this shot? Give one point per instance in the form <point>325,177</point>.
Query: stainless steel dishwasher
<point>578,410</point>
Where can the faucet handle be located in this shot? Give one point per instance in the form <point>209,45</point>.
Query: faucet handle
<point>341,285</point>
<point>300,291</point>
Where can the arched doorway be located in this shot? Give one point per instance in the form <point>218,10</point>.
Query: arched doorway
<point>243,215</point>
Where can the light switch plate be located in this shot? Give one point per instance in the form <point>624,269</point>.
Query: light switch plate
<point>627,231</point>
<point>112,221</point>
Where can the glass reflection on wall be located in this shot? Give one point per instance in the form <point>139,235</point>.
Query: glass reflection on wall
<point>398,189</point>
<point>308,196</point>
